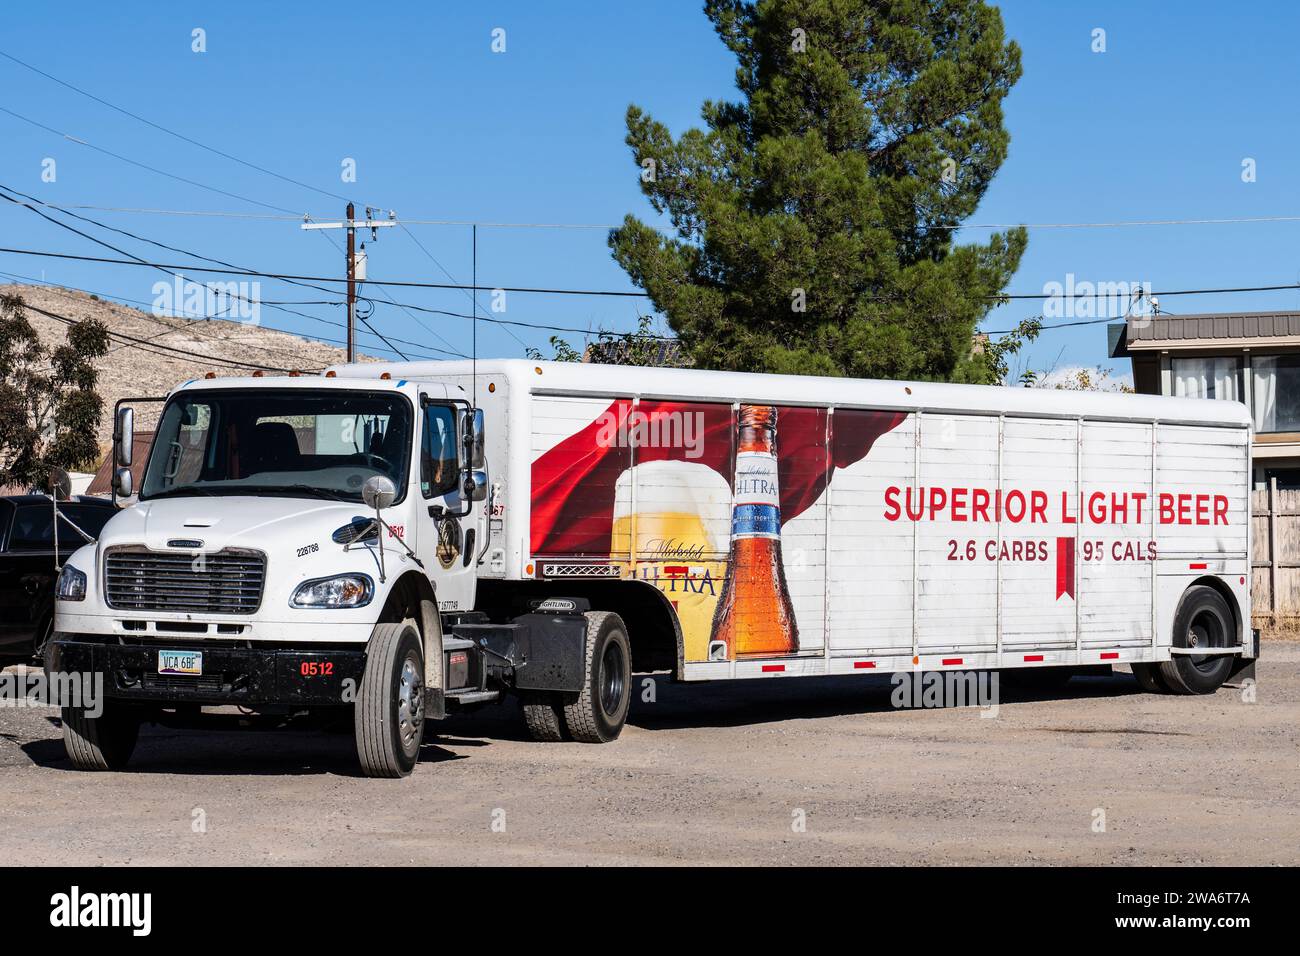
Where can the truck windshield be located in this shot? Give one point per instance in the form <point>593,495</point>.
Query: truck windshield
<point>291,442</point>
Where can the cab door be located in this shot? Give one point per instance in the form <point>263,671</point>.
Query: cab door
<point>449,536</point>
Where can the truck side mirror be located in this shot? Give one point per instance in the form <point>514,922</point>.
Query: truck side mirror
<point>122,482</point>
<point>475,486</point>
<point>473,436</point>
<point>60,484</point>
<point>124,437</point>
<point>378,492</point>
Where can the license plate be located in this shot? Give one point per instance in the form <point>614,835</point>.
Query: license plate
<point>180,662</point>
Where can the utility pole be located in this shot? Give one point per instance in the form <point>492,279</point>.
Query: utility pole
<point>352,285</point>
<point>350,223</point>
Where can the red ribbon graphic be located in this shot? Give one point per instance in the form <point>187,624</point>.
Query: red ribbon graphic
<point>1064,567</point>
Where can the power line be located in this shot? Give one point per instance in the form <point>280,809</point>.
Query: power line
<point>1118,224</point>
<point>270,303</point>
<point>171,132</point>
<point>165,349</point>
<point>290,277</point>
<point>473,296</point>
<point>192,319</point>
<point>145,166</point>
<point>591,292</point>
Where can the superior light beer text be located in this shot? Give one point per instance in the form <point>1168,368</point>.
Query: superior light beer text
<point>1034,506</point>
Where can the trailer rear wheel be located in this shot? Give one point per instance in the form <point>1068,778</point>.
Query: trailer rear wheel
<point>597,713</point>
<point>1203,620</point>
<point>1148,677</point>
<point>105,742</point>
<point>544,715</point>
<point>388,719</point>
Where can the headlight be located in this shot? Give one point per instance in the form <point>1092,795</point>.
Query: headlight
<point>72,584</point>
<point>344,590</point>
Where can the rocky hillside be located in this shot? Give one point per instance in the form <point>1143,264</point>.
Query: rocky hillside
<point>129,371</point>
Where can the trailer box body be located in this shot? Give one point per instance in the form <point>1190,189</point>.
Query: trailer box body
<point>820,526</point>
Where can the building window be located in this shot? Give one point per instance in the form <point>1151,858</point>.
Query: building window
<point>1276,395</point>
<point>1209,377</point>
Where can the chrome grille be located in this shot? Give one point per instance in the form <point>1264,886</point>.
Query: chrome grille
<point>221,582</point>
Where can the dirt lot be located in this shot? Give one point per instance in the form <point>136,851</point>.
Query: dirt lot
<point>707,774</point>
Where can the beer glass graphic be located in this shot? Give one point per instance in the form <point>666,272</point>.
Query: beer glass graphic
<point>680,528</point>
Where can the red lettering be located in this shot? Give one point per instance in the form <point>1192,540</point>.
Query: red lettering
<point>892,510</point>
<point>1013,498</point>
<point>919,513</point>
<point>1220,509</point>
<point>1118,508</point>
<point>979,506</point>
<point>1095,515</point>
<point>938,498</point>
<point>1202,509</point>
<point>1066,517</point>
<point>1166,508</point>
<point>1184,509</point>
<point>1038,508</point>
<point>959,503</point>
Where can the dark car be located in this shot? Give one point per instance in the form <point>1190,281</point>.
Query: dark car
<point>27,569</point>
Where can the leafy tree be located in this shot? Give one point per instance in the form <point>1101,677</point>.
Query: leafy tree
<point>48,404</point>
<point>1083,380</point>
<point>642,347</point>
<point>812,220</point>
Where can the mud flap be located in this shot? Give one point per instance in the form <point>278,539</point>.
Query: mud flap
<point>534,651</point>
<point>1243,668</point>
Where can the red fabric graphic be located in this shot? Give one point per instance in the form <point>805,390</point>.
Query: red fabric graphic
<point>1064,567</point>
<point>574,481</point>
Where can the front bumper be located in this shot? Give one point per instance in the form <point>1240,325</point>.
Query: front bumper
<point>231,675</point>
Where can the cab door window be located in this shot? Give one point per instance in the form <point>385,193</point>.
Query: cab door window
<point>439,467</point>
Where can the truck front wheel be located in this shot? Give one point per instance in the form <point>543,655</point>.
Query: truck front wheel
<point>389,713</point>
<point>105,742</point>
<point>597,714</point>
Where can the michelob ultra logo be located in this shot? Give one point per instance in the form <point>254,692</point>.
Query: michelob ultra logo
<point>757,510</point>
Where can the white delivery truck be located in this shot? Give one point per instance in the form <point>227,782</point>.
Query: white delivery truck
<point>408,539</point>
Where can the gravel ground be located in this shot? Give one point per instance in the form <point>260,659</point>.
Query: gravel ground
<point>760,772</point>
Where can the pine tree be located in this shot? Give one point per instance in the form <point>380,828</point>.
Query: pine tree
<point>812,220</point>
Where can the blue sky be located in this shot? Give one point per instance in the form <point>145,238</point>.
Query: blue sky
<point>443,128</point>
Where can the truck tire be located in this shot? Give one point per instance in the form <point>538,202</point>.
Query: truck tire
<point>105,742</point>
<point>1203,620</point>
<point>544,715</point>
<point>597,713</point>
<point>388,718</point>
<point>1148,677</point>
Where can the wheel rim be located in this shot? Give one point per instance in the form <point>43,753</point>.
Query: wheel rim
<point>1206,629</point>
<point>410,705</point>
<point>612,681</point>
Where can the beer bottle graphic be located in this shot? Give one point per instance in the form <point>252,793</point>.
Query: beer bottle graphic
<point>754,616</point>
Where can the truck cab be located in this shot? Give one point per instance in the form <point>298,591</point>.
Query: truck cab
<point>296,544</point>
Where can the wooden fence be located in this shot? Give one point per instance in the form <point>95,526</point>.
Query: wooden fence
<point>1275,557</point>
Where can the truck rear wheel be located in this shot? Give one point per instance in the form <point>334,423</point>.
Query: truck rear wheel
<point>544,715</point>
<point>597,713</point>
<point>1203,620</point>
<point>389,714</point>
<point>105,742</point>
